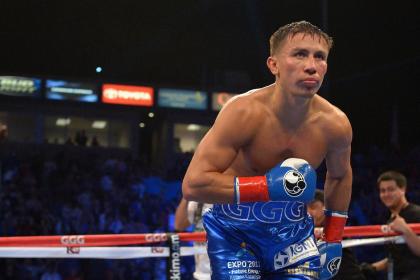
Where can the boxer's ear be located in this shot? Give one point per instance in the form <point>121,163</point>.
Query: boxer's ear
<point>272,65</point>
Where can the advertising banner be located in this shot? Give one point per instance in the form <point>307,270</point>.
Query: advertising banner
<point>127,95</point>
<point>69,90</point>
<point>184,99</point>
<point>20,86</point>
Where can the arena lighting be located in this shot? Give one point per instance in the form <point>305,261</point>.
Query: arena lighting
<point>99,124</point>
<point>151,115</point>
<point>193,127</point>
<point>98,69</point>
<point>142,124</point>
<point>63,121</point>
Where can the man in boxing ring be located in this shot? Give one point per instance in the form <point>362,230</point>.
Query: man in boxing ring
<point>256,164</point>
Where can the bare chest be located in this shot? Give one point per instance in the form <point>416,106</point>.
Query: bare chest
<point>272,146</point>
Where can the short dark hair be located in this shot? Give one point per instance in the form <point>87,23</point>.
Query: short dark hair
<point>319,196</point>
<point>398,177</point>
<point>294,28</point>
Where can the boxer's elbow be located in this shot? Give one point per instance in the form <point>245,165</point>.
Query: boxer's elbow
<point>187,191</point>
<point>191,188</point>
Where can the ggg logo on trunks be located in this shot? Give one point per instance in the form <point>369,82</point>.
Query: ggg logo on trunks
<point>294,253</point>
<point>294,183</point>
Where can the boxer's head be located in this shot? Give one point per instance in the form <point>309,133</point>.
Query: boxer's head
<point>298,58</point>
<point>290,30</point>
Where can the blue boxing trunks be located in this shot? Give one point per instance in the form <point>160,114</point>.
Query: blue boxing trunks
<point>261,240</point>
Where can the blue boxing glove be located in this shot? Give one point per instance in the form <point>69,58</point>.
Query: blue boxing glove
<point>292,180</point>
<point>330,247</point>
<point>330,258</point>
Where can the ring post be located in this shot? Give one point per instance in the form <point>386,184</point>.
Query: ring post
<point>173,264</point>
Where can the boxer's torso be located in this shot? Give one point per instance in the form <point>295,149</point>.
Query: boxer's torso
<point>272,142</point>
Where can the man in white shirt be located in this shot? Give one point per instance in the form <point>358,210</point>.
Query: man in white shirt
<point>190,213</point>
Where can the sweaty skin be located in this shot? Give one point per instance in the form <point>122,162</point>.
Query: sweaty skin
<point>261,128</point>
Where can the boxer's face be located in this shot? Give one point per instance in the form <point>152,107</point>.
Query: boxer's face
<point>391,195</point>
<point>301,64</point>
<point>316,210</point>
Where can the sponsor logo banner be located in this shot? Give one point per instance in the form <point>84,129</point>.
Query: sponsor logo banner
<point>174,260</point>
<point>183,99</point>
<point>75,91</point>
<point>20,86</point>
<point>295,253</point>
<point>127,95</point>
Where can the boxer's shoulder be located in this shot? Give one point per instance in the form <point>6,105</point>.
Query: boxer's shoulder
<point>246,108</point>
<point>333,121</point>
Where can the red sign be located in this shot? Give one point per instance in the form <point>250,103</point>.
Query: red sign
<point>127,95</point>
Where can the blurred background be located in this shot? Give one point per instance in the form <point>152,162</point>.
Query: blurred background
<point>102,104</point>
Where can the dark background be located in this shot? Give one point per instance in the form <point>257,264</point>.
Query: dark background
<point>209,44</point>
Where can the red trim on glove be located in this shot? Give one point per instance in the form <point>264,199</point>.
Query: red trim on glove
<point>252,189</point>
<point>334,228</point>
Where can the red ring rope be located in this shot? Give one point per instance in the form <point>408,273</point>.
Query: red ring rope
<point>149,238</point>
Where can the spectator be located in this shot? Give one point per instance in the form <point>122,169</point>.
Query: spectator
<point>190,213</point>
<point>94,142</point>
<point>392,192</point>
<point>50,190</point>
<point>81,138</point>
<point>349,268</point>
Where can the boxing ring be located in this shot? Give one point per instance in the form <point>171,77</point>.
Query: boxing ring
<point>167,245</point>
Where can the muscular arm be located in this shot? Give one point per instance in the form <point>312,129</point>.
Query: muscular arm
<point>339,176</point>
<point>205,180</point>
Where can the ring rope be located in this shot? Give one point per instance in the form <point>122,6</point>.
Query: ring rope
<point>145,252</point>
<point>150,238</point>
<point>95,252</point>
<point>95,239</point>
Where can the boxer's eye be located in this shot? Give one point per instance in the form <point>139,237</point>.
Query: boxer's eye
<point>300,54</point>
<point>320,56</point>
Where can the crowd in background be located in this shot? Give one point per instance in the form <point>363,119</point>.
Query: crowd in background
<point>81,190</point>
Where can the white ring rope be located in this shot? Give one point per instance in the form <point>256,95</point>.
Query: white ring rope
<point>145,252</point>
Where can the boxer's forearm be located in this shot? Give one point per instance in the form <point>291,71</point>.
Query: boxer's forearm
<point>338,191</point>
<point>291,180</point>
<point>209,187</point>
